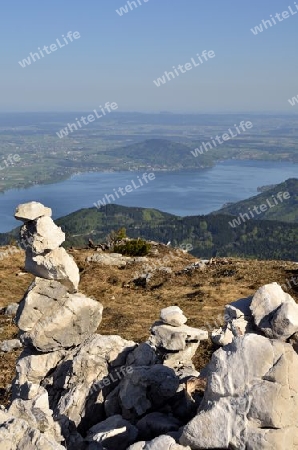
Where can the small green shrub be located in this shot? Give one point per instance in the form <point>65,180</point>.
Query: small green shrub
<point>134,247</point>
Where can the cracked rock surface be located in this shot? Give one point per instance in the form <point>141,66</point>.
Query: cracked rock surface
<point>251,396</point>
<point>53,319</point>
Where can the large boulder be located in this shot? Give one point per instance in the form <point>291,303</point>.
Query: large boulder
<point>17,434</point>
<point>55,265</point>
<point>32,211</point>
<point>31,368</point>
<point>142,389</point>
<point>38,302</point>
<point>52,319</point>
<point>37,414</point>
<point>43,235</point>
<point>251,395</point>
<point>155,424</point>
<point>275,312</point>
<point>82,380</point>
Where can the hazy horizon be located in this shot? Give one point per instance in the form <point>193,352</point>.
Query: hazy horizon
<point>116,58</point>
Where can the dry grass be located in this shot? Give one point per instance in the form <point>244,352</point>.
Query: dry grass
<point>129,310</point>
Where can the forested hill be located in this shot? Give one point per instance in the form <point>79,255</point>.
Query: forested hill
<point>161,154</point>
<point>210,235</point>
<point>279,205</point>
<point>216,234</point>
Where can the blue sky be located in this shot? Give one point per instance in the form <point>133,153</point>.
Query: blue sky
<point>117,58</point>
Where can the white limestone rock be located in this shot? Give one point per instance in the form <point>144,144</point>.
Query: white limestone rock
<point>55,265</point>
<point>82,380</point>
<point>175,338</point>
<point>137,446</point>
<point>226,334</point>
<point>53,319</point>
<point>31,211</point>
<point>43,235</point>
<point>160,443</point>
<point>252,392</point>
<point>272,439</point>
<point>11,309</point>
<point>240,309</point>
<point>173,315</point>
<point>180,360</point>
<point>17,434</point>
<point>31,368</point>
<point>275,312</point>
<point>285,321</point>
<point>109,259</point>
<point>222,336</point>
<point>37,414</point>
<point>10,345</point>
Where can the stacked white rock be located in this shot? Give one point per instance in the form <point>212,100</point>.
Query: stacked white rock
<point>52,320</point>
<point>175,341</point>
<point>251,400</point>
<point>238,321</point>
<point>42,239</point>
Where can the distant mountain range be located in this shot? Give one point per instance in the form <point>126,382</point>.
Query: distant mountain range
<point>272,234</point>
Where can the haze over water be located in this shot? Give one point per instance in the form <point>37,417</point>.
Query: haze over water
<point>181,193</point>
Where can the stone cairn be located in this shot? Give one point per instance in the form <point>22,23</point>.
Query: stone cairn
<point>77,389</point>
<point>80,390</point>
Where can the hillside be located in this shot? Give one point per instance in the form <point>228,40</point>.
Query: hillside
<point>201,294</point>
<point>285,210</point>
<point>160,154</point>
<point>209,236</point>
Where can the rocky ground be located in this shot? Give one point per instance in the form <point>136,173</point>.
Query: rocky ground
<point>130,307</point>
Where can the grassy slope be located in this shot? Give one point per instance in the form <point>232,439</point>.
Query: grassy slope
<point>130,310</point>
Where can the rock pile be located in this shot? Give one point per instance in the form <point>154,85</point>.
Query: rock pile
<point>238,321</point>
<point>80,390</point>
<point>176,342</point>
<point>44,256</point>
<point>251,400</point>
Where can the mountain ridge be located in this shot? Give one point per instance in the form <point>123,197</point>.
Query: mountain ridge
<point>287,209</point>
<point>271,236</point>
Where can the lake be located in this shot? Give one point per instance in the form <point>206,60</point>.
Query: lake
<point>182,193</point>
